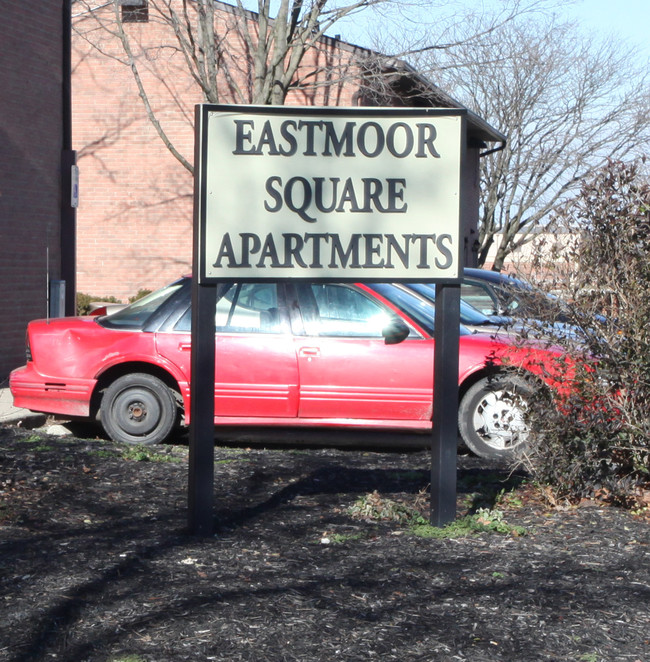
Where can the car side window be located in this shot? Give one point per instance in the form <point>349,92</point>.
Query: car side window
<point>480,297</point>
<point>244,308</point>
<point>331,309</point>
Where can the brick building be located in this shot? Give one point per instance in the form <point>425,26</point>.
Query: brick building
<point>135,212</point>
<point>36,220</point>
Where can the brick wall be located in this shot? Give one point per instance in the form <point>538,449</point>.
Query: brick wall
<point>135,213</point>
<point>30,156</point>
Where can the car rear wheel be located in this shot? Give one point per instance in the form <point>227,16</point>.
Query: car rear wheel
<point>492,416</point>
<point>138,409</point>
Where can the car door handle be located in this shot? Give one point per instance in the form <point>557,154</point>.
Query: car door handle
<point>309,352</point>
<point>185,346</point>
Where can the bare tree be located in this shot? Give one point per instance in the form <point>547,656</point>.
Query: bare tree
<point>568,104</point>
<point>232,55</point>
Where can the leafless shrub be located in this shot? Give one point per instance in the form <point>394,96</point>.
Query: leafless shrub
<point>597,440</point>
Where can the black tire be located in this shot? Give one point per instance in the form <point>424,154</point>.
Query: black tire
<point>138,409</point>
<point>492,416</point>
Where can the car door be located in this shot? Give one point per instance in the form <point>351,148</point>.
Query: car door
<point>256,370</point>
<point>348,372</point>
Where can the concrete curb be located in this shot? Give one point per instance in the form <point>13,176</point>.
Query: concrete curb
<point>10,415</point>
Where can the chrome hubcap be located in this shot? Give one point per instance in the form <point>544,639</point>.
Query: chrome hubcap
<point>499,420</point>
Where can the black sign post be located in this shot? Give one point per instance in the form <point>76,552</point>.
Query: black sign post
<point>444,440</point>
<point>201,459</point>
<point>204,301</point>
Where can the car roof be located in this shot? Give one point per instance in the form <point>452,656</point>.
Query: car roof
<point>494,277</point>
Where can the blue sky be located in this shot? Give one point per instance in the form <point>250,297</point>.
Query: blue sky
<point>626,19</point>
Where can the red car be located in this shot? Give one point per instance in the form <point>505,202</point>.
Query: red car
<point>287,354</point>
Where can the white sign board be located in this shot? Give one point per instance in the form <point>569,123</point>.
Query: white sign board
<point>320,193</point>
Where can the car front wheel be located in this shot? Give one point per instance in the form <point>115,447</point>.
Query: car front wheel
<point>138,409</point>
<point>492,416</point>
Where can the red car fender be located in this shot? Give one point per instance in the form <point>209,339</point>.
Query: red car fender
<point>154,361</point>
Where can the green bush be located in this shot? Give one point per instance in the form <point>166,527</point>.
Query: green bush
<point>597,441</point>
<point>84,300</point>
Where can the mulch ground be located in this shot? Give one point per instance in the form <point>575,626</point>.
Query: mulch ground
<point>96,562</point>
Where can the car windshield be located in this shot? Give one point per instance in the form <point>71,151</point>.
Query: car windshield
<point>136,315</point>
<point>468,314</point>
<point>420,310</point>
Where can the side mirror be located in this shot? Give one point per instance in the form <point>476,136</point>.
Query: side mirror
<point>395,331</point>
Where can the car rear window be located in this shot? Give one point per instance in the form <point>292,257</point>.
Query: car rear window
<point>136,315</point>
